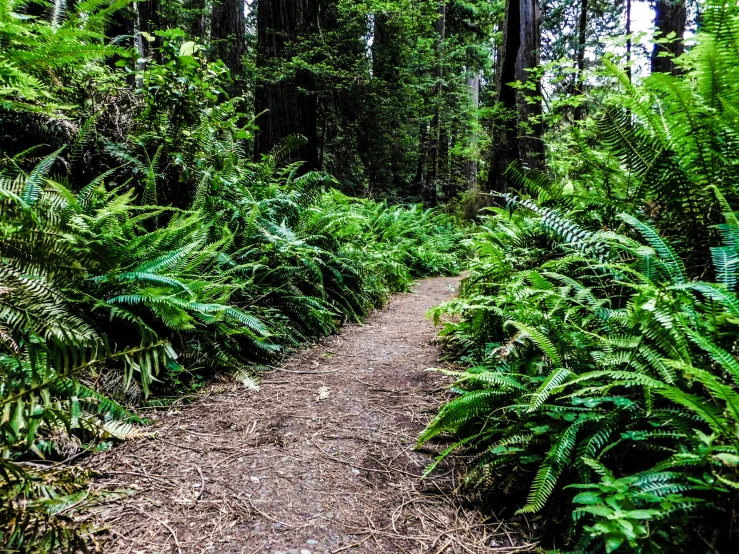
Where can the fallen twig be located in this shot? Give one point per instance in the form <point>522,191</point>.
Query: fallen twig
<point>167,527</point>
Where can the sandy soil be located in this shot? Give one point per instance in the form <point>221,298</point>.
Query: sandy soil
<point>321,460</point>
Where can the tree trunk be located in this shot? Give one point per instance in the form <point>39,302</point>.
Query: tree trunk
<point>423,151</point>
<point>517,134</point>
<point>581,40</point>
<point>628,39</point>
<point>288,101</point>
<point>122,24</point>
<point>227,35</point>
<point>530,146</point>
<point>431,192</point>
<point>344,114</point>
<point>505,135</point>
<point>670,16</point>
<point>470,167</point>
<point>378,129</point>
<point>35,10</point>
<point>149,20</point>
<point>581,37</point>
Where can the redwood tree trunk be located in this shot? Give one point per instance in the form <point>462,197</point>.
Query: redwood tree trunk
<point>121,24</point>
<point>581,41</point>
<point>517,134</point>
<point>530,146</point>
<point>432,188</point>
<point>288,101</point>
<point>670,16</point>
<point>581,36</point>
<point>628,39</point>
<point>470,167</point>
<point>227,35</point>
<point>377,130</point>
<point>423,151</point>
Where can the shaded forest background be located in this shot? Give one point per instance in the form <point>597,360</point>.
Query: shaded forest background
<point>415,100</point>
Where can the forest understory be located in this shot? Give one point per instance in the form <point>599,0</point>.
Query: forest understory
<point>320,460</point>
<point>333,276</point>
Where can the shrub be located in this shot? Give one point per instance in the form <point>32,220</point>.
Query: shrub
<point>598,323</point>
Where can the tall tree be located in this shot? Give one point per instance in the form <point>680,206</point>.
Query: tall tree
<point>581,37</point>
<point>194,17</point>
<point>285,97</point>
<point>628,39</point>
<point>342,90</point>
<point>121,24</point>
<point>380,152</point>
<point>582,24</point>
<point>398,119</point>
<point>228,35</point>
<point>670,16</point>
<point>517,133</point>
<point>432,188</point>
<point>470,166</point>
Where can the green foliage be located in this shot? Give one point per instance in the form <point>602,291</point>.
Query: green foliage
<point>179,259</point>
<point>624,509</point>
<point>599,323</point>
<point>614,358</point>
<point>92,289</point>
<point>36,515</point>
<point>37,51</point>
<point>378,68</point>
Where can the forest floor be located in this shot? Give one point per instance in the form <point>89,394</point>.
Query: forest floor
<point>321,460</point>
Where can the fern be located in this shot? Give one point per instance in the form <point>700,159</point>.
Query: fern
<point>600,324</point>
<point>548,474</point>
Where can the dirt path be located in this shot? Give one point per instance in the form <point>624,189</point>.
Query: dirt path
<point>321,460</point>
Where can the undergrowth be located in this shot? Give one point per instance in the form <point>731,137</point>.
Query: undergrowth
<point>140,256</point>
<point>598,325</point>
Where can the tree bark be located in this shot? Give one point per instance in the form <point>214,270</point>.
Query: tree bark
<point>149,20</point>
<point>423,151</point>
<point>227,36</point>
<point>670,16</point>
<point>470,167</point>
<point>531,147</point>
<point>121,24</point>
<point>344,113</point>
<point>286,105</point>
<point>432,188</point>
<point>505,135</point>
<point>378,129</point>
<point>581,37</point>
<point>517,133</point>
<point>581,40</point>
<point>628,39</point>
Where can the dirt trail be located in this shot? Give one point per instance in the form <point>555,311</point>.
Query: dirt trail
<point>321,460</point>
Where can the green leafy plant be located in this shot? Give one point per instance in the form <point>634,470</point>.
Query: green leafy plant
<point>598,323</point>
<point>624,511</point>
<point>178,259</point>
<point>37,50</point>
